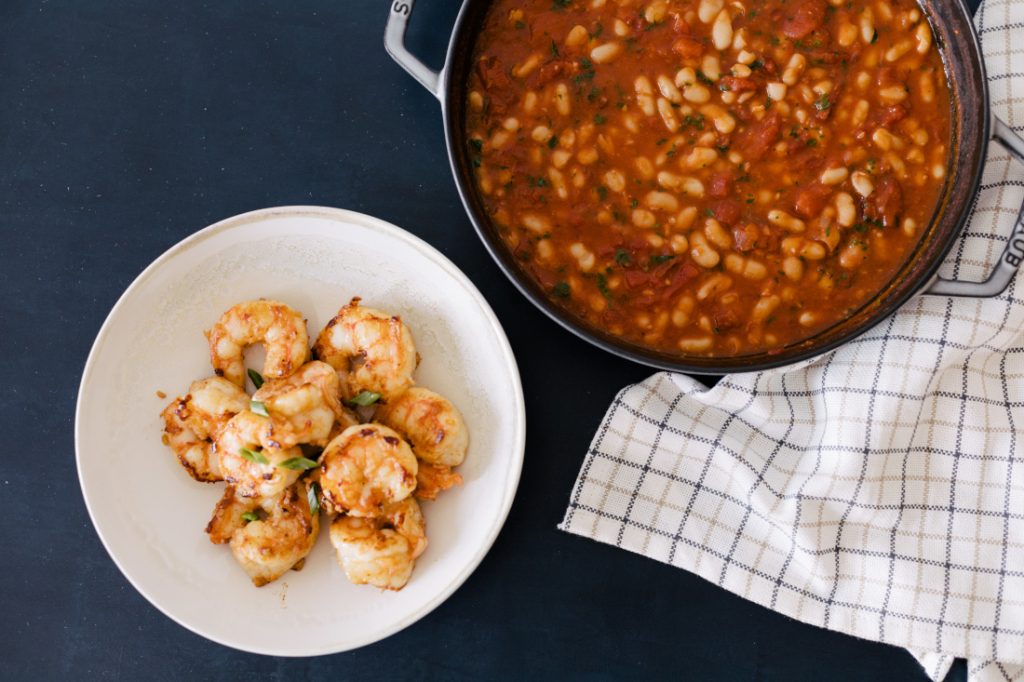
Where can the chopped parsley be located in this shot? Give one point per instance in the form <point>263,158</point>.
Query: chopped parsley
<point>823,103</point>
<point>660,258</point>
<point>600,119</point>
<point>561,290</point>
<point>622,257</point>
<point>602,286</point>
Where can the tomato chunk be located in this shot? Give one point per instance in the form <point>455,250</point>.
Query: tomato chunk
<point>759,138</point>
<point>802,18</point>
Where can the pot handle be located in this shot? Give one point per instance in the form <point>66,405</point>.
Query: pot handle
<point>394,44</point>
<point>1013,253</point>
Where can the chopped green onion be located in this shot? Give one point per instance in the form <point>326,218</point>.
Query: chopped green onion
<point>250,516</point>
<point>313,497</point>
<point>255,377</point>
<point>297,464</point>
<point>254,456</point>
<point>256,407</point>
<point>364,398</point>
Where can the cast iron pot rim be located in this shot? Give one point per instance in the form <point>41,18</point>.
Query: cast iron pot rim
<point>629,351</point>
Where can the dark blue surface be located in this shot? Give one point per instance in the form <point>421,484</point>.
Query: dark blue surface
<point>127,126</point>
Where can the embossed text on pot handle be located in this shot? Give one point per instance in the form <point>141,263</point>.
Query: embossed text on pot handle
<point>1013,253</point>
<point>394,43</point>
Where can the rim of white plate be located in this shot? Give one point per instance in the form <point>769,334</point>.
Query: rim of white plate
<point>426,250</point>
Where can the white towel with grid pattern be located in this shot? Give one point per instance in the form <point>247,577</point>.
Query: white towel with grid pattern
<point>878,491</point>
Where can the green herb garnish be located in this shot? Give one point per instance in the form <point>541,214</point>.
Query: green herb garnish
<point>254,456</point>
<point>257,407</point>
<point>249,516</point>
<point>255,377</point>
<point>660,258</point>
<point>823,103</point>
<point>313,497</point>
<point>602,286</point>
<point>622,257</point>
<point>599,119</point>
<point>364,398</point>
<point>561,290</point>
<point>298,464</point>
<point>552,142</point>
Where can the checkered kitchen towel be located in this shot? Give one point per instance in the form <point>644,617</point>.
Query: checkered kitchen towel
<point>878,491</point>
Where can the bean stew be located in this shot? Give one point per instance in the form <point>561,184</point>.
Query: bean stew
<point>706,177</point>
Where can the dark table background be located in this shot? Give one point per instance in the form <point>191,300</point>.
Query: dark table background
<point>125,127</point>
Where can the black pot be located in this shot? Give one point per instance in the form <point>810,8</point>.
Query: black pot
<point>973,126</point>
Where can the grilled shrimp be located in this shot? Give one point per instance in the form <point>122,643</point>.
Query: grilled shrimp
<point>192,421</point>
<point>365,469</point>
<point>432,479</point>
<point>268,536</point>
<point>305,405</point>
<point>430,423</point>
<point>251,459</point>
<point>381,551</point>
<point>371,350</point>
<point>280,329</point>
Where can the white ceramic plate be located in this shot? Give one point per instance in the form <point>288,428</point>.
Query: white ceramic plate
<point>150,515</point>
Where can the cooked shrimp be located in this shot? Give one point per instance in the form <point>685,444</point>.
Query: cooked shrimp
<point>430,423</point>
<point>432,479</point>
<point>192,421</point>
<point>373,351</point>
<point>365,469</point>
<point>305,405</point>
<point>280,329</point>
<point>252,459</point>
<point>381,551</point>
<point>277,535</point>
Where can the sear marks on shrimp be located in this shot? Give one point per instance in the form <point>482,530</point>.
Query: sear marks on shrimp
<point>430,423</point>
<point>250,457</point>
<point>366,468</point>
<point>277,535</point>
<point>381,551</point>
<point>281,330</point>
<point>432,479</point>
<point>371,350</point>
<point>192,421</point>
<point>304,406</point>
